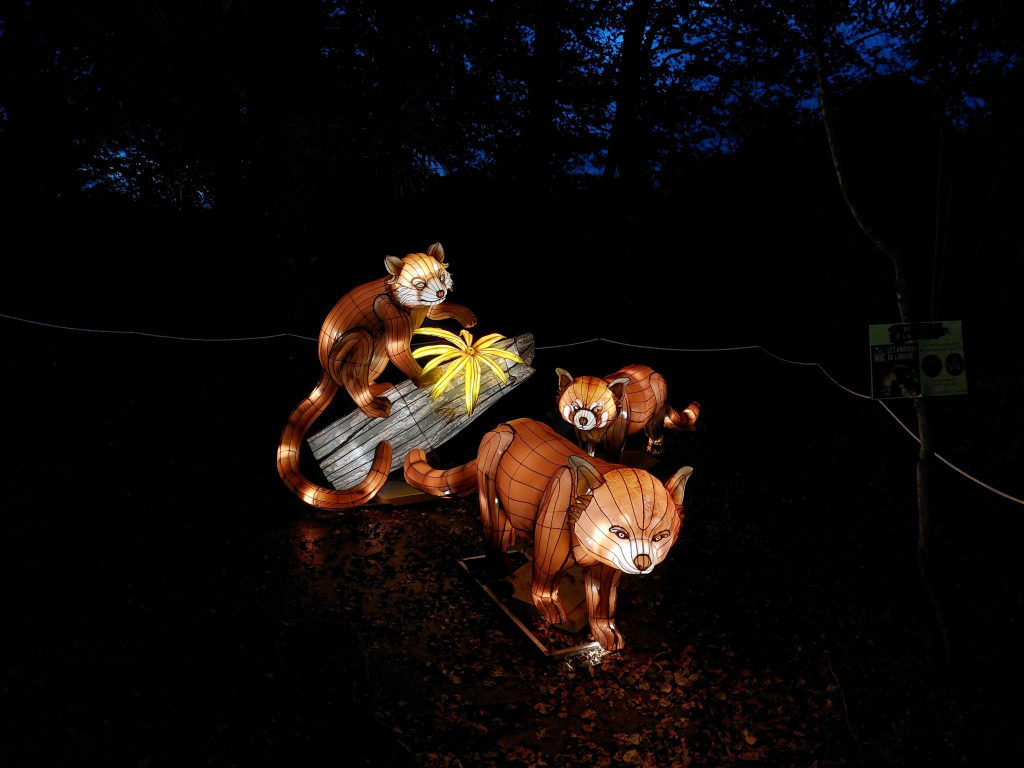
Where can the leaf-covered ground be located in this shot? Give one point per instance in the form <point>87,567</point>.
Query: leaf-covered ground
<point>168,603</point>
<point>719,667</point>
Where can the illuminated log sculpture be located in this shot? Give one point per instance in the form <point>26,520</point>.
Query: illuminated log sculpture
<point>605,411</point>
<point>369,327</point>
<point>607,518</point>
<point>345,449</point>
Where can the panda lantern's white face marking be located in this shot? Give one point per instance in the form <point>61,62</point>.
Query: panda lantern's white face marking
<point>588,403</point>
<point>585,417</point>
<point>421,281</point>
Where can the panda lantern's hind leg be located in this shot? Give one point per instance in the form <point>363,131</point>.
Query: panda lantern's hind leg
<point>498,533</point>
<point>552,546</point>
<point>351,358</point>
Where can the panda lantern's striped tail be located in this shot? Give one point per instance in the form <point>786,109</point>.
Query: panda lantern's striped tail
<point>288,456</point>
<point>682,421</point>
<point>458,481</point>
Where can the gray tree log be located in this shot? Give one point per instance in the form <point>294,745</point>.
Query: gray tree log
<point>345,448</point>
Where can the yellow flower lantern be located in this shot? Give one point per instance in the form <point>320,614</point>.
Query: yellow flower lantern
<point>464,356</point>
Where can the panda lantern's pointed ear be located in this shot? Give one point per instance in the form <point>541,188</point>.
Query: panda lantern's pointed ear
<point>618,388</point>
<point>585,475</point>
<point>437,252</point>
<point>394,265</point>
<point>564,379</point>
<point>676,484</point>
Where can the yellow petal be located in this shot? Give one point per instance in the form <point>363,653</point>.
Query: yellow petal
<point>504,353</point>
<point>434,349</point>
<point>472,384</point>
<point>448,375</point>
<point>486,341</point>
<point>440,359</point>
<point>494,367</point>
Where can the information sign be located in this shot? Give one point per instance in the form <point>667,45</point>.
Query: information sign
<point>917,359</point>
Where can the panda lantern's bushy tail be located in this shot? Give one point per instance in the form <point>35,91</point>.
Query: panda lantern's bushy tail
<point>457,481</point>
<point>288,456</point>
<point>682,421</point>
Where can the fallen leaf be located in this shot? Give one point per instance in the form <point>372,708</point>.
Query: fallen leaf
<point>632,757</point>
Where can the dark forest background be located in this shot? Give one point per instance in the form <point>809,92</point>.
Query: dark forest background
<point>233,167</point>
<point>685,174</point>
<point>650,172</point>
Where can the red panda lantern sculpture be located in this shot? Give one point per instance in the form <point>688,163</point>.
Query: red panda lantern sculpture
<point>607,518</point>
<point>605,411</point>
<point>369,327</point>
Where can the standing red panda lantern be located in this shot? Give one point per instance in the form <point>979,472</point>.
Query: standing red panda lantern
<point>605,411</point>
<point>607,518</point>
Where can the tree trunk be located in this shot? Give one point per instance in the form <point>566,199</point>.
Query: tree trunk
<point>905,290</point>
<point>622,166</point>
<point>540,124</point>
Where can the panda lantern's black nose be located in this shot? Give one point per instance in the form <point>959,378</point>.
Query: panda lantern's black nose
<point>643,562</point>
<point>440,294</point>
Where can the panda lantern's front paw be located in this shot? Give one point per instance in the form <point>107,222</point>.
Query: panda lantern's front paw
<point>607,634</point>
<point>550,608</point>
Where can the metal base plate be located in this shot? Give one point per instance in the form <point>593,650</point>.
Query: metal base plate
<point>511,594</point>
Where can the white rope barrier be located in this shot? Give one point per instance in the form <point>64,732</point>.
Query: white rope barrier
<point>144,333</point>
<point>560,346</point>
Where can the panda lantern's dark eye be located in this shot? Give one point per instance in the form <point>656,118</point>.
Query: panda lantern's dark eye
<point>419,285</point>
<point>621,533</point>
